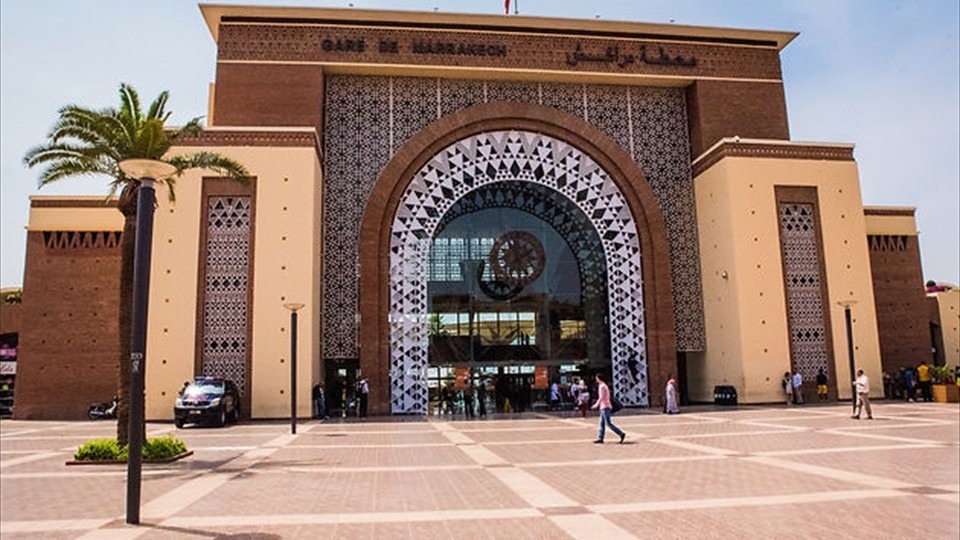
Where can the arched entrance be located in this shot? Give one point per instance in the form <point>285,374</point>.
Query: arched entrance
<point>516,286</point>
<point>433,178</point>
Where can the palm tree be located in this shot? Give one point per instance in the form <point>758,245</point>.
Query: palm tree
<point>93,142</point>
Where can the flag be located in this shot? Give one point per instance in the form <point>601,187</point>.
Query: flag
<point>506,6</point>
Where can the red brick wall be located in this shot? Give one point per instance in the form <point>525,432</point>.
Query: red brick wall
<point>10,317</point>
<point>269,95</point>
<point>751,110</point>
<point>902,316</point>
<point>68,355</point>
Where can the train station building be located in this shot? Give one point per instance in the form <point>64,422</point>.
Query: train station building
<point>517,200</point>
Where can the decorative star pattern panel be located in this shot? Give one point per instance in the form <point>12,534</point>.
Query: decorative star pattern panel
<point>356,148</point>
<point>511,156</point>
<point>369,118</point>
<point>801,263</point>
<point>225,307</point>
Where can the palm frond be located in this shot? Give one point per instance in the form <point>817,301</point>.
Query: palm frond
<point>130,112</point>
<point>217,163</point>
<point>64,168</point>
<point>156,109</point>
<point>152,141</point>
<point>86,141</point>
<point>192,127</point>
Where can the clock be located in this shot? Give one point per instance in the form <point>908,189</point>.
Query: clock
<point>517,258</point>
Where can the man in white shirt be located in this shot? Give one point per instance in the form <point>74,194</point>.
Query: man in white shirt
<point>863,395</point>
<point>363,388</point>
<point>797,388</point>
<point>554,396</point>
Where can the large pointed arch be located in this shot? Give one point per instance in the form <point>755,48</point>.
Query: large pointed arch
<point>403,180</point>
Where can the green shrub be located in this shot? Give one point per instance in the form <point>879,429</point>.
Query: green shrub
<point>109,450</point>
<point>163,448</point>
<point>101,450</point>
<point>942,374</point>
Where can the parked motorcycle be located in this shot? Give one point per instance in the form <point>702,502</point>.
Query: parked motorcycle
<point>104,411</point>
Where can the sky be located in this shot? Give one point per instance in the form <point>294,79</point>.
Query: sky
<point>883,75</point>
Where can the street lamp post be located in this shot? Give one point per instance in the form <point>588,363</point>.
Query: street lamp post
<point>293,307</point>
<point>148,171</point>
<point>853,385</point>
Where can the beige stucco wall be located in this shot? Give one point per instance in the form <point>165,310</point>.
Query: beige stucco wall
<point>286,269</point>
<point>745,312</point>
<point>882,224</point>
<point>949,305</point>
<point>71,218</point>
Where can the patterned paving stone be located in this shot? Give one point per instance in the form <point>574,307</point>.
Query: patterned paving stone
<point>749,472</point>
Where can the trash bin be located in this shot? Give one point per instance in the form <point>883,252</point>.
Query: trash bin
<point>724,395</point>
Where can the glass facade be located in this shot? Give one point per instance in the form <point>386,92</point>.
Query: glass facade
<point>507,295</point>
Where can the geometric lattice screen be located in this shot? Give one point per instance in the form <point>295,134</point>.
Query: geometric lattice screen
<point>511,156</point>
<point>801,263</point>
<point>369,118</point>
<point>225,307</point>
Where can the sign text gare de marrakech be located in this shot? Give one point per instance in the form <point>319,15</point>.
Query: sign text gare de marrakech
<point>606,55</point>
<point>666,55</point>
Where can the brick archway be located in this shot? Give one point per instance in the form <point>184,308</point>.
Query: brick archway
<point>394,180</point>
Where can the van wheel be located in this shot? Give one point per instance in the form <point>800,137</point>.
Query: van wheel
<point>179,423</point>
<point>222,419</point>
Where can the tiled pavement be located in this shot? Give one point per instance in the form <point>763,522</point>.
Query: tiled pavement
<point>749,472</point>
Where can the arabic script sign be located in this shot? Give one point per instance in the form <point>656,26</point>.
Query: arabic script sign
<point>495,50</point>
<point>613,55</point>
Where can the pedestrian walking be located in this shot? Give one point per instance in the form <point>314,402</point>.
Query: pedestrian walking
<point>606,410</point>
<point>863,395</point>
<point>672,407</point>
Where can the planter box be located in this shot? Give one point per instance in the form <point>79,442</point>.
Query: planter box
<point>124,462</point>
<point>946,393</point>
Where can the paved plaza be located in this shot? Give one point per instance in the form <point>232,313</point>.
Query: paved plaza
<point>747,472</point>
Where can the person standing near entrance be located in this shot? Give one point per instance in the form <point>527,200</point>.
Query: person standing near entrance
<point>583,398</point>
<point>554,395</point>
<point>797,388</point>
<point>482,398</point>
<point>363,389</point>
<point>574,393</point>
<point>606,410</point>
<point>822,385</point>
<point>925,381</point>
<point>468,399</point>
<point>787,385</point>
<point>863,395</point>
<point>319,405</point>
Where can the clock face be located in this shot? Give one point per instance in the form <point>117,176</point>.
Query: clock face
<point>517,258</point>
<point>496,289</point>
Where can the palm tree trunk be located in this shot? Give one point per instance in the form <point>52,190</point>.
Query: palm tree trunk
<point>128,207</point>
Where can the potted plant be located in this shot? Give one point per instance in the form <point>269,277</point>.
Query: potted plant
<point>945,389</point>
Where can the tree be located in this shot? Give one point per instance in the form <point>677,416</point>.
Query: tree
<point>93,142</point>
